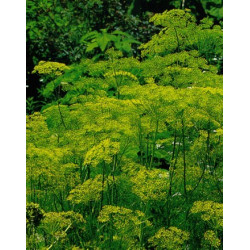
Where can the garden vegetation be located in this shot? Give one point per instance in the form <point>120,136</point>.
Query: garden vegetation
<point>125,151</point>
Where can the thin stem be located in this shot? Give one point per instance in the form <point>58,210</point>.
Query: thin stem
<point>65,231</point>
<point>153,150</point>
<point>59,109</point>
<point>171,174</point>
<point>184,157</point>
<point>61,115</point>
<point>103,176</point>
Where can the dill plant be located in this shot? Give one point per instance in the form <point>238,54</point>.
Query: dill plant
<point>128,155</point>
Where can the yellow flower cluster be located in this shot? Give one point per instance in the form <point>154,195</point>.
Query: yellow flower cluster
<point>121,73</point>
<point>123,219</point>
<point>90,190</point>
<point>211,212</point>
<point>36,129</point>
<point>55,223</point>
<point>150,80</point>
<point>151,185</point>
<point>211,239</point>
<point>171,239</point>
<point>50,68</point>
<point>102,152</point>
<point>177,17</point>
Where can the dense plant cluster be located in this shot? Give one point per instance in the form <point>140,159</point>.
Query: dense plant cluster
<point>127,151</point>
<point>57,30</point>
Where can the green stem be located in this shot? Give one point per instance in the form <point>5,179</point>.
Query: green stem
<point>103,176</point>
<point>59,109</point>
<point>184,157</point>
<point>154,141</point>
<point>171,174</point>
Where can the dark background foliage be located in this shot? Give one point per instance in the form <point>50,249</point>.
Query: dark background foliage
<point>55,28</point>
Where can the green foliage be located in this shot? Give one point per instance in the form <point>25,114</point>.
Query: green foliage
<point>127,152</point>
<point>55,28</point>
<point>102,40</point>
<point>213,8</point>
<point>200,8</point>
<point>34,214</point>
<point>32,105</point>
